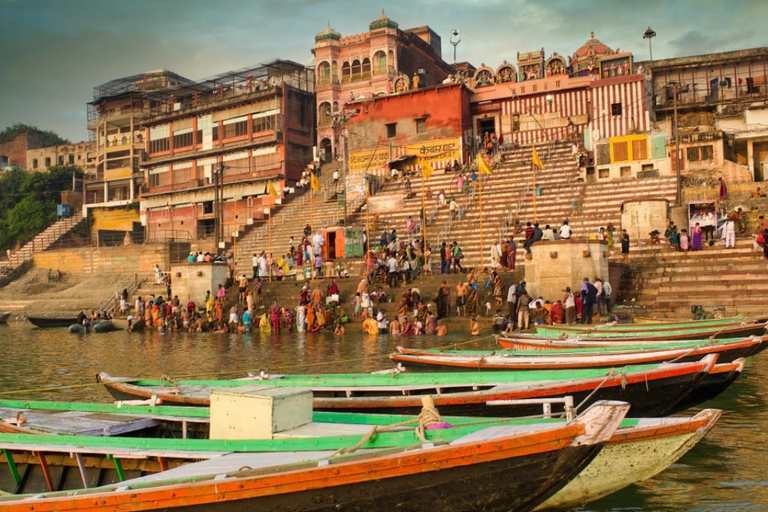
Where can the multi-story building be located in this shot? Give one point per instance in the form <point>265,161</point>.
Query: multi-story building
<point>366,65</point>
<point>719,101</point>
<point>115,120</point>
<point>13,154</point>
<point>218,151</point>
<point>81,154</point>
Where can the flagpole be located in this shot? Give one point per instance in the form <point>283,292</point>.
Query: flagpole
<point>480,204</point>
<point>269,238</point>
<point>533,174</point>
<point>367,223</point>
<point>423,220</point>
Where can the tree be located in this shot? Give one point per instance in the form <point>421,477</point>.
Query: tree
<point>49,138</point>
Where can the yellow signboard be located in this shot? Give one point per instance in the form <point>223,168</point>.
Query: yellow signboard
<point>363,161</point>
<point>436,150</point>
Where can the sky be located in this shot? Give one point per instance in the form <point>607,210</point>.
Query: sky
<point>54,52</point>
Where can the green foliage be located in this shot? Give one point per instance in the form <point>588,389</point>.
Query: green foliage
<point>49,138</point>
<point>28,201</point>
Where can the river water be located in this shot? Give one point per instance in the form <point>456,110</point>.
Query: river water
<point>727,471</point>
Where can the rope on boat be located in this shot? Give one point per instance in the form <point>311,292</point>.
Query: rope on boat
<point>589,396</point>
<point>427,417</point>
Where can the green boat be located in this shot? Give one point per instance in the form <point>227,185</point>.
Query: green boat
<point>295,445</point>
<point>639,449</point>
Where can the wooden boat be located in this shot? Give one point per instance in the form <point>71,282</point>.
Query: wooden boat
<point>4,316</point>
<point>49,321</point>
<point>103,326</point>
<point>720,330</point>
<point>685,334</point>
<point>468,464</point>
<point>658,325</point>
<point>555,360</point>
<point>527,342</point>
<point>121,324</point>
<point>632,455</point>
<point>639,449</point>
<point>653,390</point>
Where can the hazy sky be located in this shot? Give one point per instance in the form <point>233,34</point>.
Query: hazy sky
<point>54,52</point>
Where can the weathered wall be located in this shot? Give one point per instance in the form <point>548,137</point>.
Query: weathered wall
<point>560,263</point>
<point>139,258</point>
<point>192,280</point>
<point>641,217</point>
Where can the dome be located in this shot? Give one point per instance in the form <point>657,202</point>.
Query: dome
<point>328,33</point>
<point>592,47</point>
<point>382,22</point>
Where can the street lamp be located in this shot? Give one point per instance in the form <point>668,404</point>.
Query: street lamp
<point>649,34</point>
<point>455,40</point>
<point>676,132</point>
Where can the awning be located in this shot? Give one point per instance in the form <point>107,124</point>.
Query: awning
<point>402,161</point>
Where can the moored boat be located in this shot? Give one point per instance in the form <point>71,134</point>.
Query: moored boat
<point>725,330</point>
<point>4,316</point>
<point>569,359</point>
<point>639,449</point>
<point>631,455</point>
<point>51,321</point>
<point>537,461</point>
<point>526,342</point>
<point>652,390</point>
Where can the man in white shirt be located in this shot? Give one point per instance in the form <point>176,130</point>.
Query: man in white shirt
<point>255,265</point>
<point>512,301</point>
<point>565,231</point>
<point>381,319</point>
<point>607,290</point>
<point>392,271</point>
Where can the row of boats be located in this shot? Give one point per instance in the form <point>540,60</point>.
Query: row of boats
<point>576,415</point>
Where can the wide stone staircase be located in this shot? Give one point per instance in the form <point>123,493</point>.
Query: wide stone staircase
<point>662,282</point>
<point>323,210</point>
<point>509,196</point>
<point>45,239</point>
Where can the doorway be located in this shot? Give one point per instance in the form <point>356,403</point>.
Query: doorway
<point>331,245</point>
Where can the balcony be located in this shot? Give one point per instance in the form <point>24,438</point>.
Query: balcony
<point>119,173</point>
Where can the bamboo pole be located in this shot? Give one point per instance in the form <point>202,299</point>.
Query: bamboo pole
<point>480,204</point>
<point>423,220</point>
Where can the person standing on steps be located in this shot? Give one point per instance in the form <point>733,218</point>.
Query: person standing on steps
<point>588,300</point>
<point>624,244</point>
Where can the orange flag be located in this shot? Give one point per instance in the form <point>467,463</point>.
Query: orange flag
<point>271,189</point>
<point>536,159</point>
<point>426,169</point>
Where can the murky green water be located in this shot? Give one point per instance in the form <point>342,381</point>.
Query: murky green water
<point>728,471</point>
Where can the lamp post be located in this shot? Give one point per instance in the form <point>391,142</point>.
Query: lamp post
<point>455,40</point>
<point>649,34</point>
<point>676,132</point>
<point>218,207</point>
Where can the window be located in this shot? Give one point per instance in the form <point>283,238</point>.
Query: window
<point>71,159</point>
<point>707,153</point>
<point>357,70</point>
<point>159,145</point>
<point>159,177</point>
<point>238,129</point>
<point>34,163</point>
<point>620,152</point>
<point>47,161</point>
<point>207,207</point>
<point>346,72</point>
<point>183,173</point>
<point>693,154</point>
<point>323,73</point>
<point>421,125</point>
<point>366,68</point>
<point>266,124</point>
<point>391,130</point>
<point>61,160</point>
<point>604,173</point>
<point>616,109</point>
<point>625,171</point>
<point>639,149</point>
<point>182,140</point>
<point>516,122</point>
<point>379,63</point>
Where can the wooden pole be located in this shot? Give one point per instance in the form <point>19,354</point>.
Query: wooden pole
<point>423,221</point>
<point>367,223</point>
<point>533,175</point>
<point>480,204</point>
<point>269,239</point>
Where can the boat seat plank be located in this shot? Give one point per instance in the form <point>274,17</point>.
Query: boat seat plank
<point>231,462</point>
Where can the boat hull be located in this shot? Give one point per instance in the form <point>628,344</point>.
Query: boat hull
<point>658,392</point>
<point>44,321</point>
<point>461,476</point>
<point>632,455</point>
